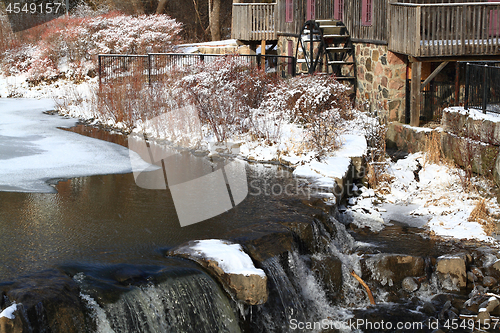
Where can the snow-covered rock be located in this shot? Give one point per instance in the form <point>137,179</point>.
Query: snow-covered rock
<point>230,265</point>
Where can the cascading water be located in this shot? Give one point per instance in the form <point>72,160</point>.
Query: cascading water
<point>188,301</point>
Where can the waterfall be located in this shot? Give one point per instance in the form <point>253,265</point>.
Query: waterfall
<point>189,300</point>
<point>298,294</point>
<point>180,303</point>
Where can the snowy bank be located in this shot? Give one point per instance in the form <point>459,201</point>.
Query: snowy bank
<point>438,197</point>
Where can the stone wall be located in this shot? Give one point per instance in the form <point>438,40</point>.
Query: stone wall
<point>467,139</point>
<point>381,80</point>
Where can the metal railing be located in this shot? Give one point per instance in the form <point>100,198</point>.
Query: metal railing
<point>482,87</point>
<point>154,66</point>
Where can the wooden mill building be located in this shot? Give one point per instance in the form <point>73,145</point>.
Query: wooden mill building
<point>392,50</point>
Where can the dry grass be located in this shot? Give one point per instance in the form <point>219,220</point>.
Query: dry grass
<point>378,178</point>
<point>481,215</point>
<point>433,150</point>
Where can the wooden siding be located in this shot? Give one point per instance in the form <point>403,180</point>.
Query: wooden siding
<point>352,19</point>
<point>254,21</point>
<point>438,1</point>
<point>433,30</point>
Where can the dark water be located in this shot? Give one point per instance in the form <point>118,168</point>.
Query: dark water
<point>108,219</point>
<point>403,239</point>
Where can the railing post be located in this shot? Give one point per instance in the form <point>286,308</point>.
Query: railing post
<point>99,61</point>
<point>467,84</point>
<point>149,69</point>
<point>485,91</point>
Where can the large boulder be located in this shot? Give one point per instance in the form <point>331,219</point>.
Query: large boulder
<point>48,301</point>
<point>451,271</point>
<point>392,269</point>
<point>232,267</point>
<point>263,240</point>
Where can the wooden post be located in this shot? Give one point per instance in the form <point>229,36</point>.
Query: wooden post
<point>457,83</point>
<point>99,60</point>
<point>263,54</point>
<point>416,76</point>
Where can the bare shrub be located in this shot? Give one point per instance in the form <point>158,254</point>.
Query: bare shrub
<point>225,91</point>
<point>321,105</point>
<point>69,45</point>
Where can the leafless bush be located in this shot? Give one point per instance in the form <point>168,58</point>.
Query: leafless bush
<point>321,105</point>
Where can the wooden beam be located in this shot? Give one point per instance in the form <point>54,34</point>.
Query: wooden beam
<point>263,53</point>
<point>416,76</point>
<point>470,58</point>
<point>433,74</point>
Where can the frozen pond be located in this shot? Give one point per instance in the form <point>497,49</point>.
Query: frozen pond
<point>33,150</point>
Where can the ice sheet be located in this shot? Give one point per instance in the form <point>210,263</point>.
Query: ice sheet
<point>33,150</point>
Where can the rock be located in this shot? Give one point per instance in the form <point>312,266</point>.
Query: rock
<point>471,277</point>
<point>477,272</point>
<point>452,268</point>
<point>489,281</point>
<point>213,155</point>
<point>50,301</point>
<point>391,269</point>
<point>263,240</point>
<point>428,309</point>
<point>492,304</point>
<point>328,270</point>
<point>248,288</point>
<point>11,325</point>
<point>410,284</point>
<point>483,316</point>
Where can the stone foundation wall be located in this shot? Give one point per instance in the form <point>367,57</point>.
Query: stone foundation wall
<point>381,80</point>
<point>466,140</point>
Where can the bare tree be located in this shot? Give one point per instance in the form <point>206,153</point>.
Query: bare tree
<point>214,19</point>
<point>161,6</point>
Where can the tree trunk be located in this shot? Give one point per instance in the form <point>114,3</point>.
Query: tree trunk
<point>161,6</point>
<point>137,7</point>
<point>214,18</point>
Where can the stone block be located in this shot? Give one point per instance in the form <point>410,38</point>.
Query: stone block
<point>392,269</point>
<point>452,268</point>
<point>395,59</point>
<point>406,138</point>
<point>482,157</point>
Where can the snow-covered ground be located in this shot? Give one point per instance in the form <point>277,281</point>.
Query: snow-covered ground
<point>438,198</point>
<point>33,150</point>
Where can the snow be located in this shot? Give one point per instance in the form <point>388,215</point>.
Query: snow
<point>230,257</point>
<point>9,312</point>
<point>33,150</point>
<point>418,129</point>
<point>438,199</point>
<point>475,114</point>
